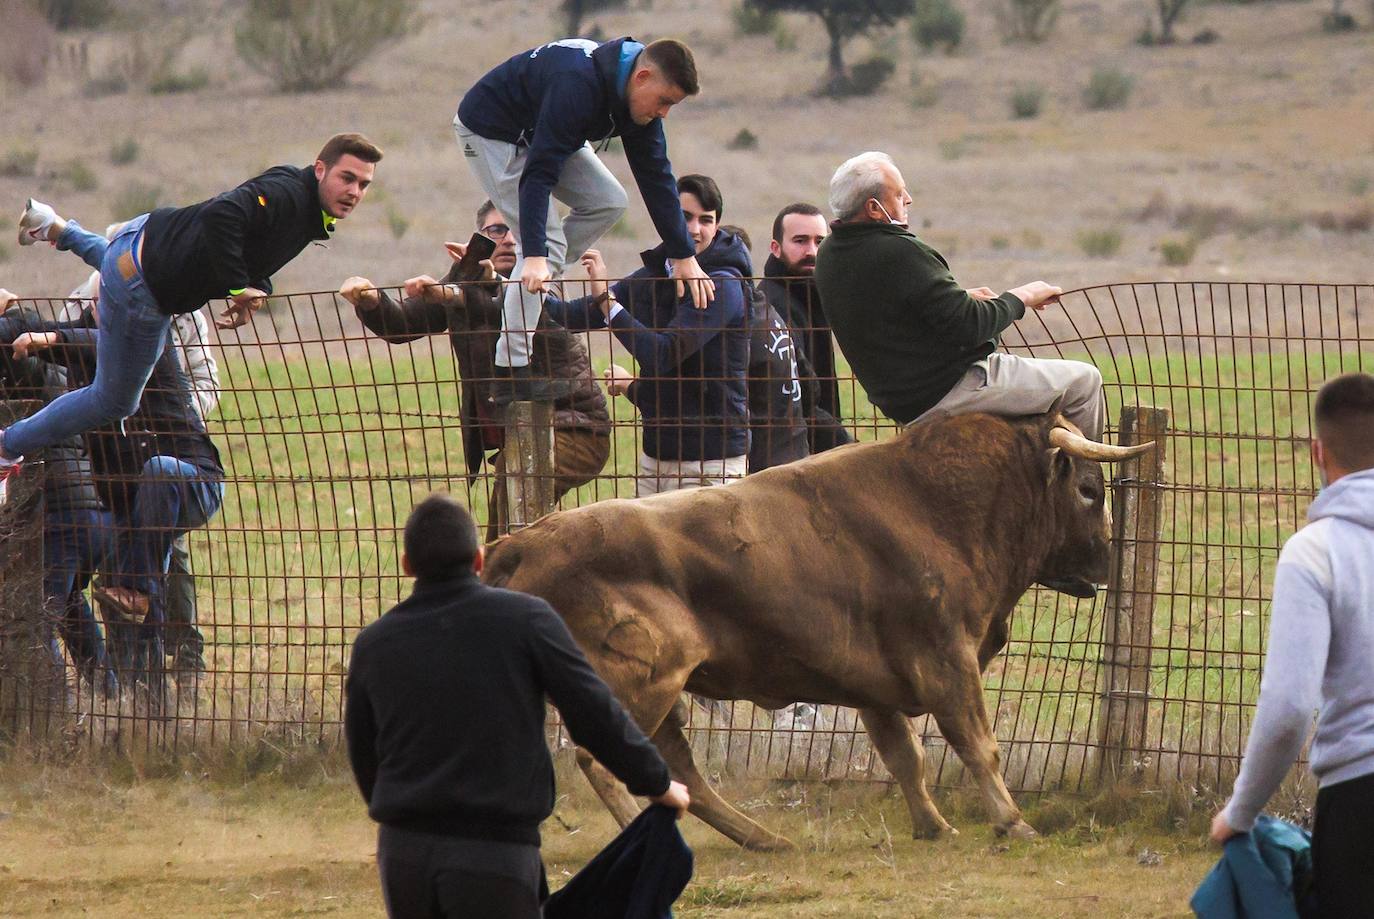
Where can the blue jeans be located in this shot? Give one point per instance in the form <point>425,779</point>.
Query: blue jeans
<point>133,333</point>
<point>173,497</point>
<point>75,542</point>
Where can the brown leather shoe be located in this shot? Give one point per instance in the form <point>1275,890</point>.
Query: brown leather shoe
<point>129,603</point>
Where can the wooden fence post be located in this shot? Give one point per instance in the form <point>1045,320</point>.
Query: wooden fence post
<point>32,684</point>
<point>529,463</point>
<point>1128,627</point>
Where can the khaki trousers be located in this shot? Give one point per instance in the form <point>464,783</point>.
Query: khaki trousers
<point>1004,384</point>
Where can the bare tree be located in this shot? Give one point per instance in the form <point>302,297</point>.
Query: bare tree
<point>842,19</point>
<point>577,10</point>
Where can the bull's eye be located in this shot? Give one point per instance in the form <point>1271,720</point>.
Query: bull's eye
<point>1087,493</point>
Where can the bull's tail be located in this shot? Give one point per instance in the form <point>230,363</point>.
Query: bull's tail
<point>503,558</point>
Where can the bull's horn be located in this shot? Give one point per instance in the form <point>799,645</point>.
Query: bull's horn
<point>1080,446</point>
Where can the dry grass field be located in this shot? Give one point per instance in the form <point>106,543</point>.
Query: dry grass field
<point>76,840</point>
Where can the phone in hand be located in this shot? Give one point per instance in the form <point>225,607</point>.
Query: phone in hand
<point>469,267</point>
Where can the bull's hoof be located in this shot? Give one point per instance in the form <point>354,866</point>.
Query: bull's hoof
<point>1018,830</point>
<point>935,833</point>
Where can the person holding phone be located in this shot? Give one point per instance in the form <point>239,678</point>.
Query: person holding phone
<point>471,315</point>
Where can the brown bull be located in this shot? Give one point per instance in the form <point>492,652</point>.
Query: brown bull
<point>877,576</point>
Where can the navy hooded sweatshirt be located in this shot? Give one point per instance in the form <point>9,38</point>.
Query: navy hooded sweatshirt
<point>553,99</point>
<point>691,391</point>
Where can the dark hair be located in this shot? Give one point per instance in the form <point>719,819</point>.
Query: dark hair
<point>487,207</point>
<point>1344,413</point>
<point>674,60</point>
<point>705,189</point>
<point>341,145</point>
<point>739,231</point>
<point>440,538</point>
<point>800,207</point>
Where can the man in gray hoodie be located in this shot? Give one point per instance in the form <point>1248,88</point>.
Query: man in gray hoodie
<point>1321,656</point>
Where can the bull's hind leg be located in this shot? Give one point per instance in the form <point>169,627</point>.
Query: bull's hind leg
<point>706,804</point>
<point>902,754</point>
<point>963,719</point>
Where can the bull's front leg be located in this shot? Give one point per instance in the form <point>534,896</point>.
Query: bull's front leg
<point>960,712</point>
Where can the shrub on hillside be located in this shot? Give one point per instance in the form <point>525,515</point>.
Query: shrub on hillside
<point>1101,243</point>
<point>1108,88</point>
<point>938,24</point>
<point>1026,101</point>
<point>76,14</point>
<point>26,42</point>
<point>750,20</point>
<point>135,198</point>
<point>866,77</point>
<point>1026,20</point>
<point>1178,252</point>
<point>171,81</point>
<point>76,175</point>
<point>123,152</point>
<point>744,140</point>
<point>309,45</point>
<point>18,163</point>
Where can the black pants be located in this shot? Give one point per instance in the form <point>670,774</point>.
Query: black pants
<point>425,876</point>
<point>1343,849</point>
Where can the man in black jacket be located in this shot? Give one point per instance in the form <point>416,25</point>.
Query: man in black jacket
<point>175,260</point>
<point>524,130</point>
<point>790,285</point>
<point>471,315</point>
<point>444,721</point>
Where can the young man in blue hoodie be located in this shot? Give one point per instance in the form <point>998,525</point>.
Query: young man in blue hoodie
<point>525,128</point>
<point>1321,657</point>
<point>691,389</point>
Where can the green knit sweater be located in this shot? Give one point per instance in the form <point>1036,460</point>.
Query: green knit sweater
<point>908,329</point>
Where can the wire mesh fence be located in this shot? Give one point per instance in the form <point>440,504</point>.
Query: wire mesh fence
<point>331,422</point>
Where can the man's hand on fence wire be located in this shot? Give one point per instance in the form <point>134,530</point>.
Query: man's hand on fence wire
<point>618,379</point>
<point>535,274</point>
<point>242,306</point>
<point>28,343</point>
<point>427,288</point>
<point>688,274</point>
<point>595,266</point>
<point>7,299</point>
<point>1037,294</point>
<point>361,293</point>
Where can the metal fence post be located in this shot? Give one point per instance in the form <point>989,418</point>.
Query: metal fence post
<point>1128,627</point>
<point>529,463</point>
<point>32,686</point>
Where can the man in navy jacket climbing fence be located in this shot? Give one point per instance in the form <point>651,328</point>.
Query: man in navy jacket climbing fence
<point>524,130</point>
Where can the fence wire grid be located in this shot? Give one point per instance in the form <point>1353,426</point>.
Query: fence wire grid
<point>328,435</point>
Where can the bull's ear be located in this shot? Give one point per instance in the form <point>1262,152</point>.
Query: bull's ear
<point>1060,465</point>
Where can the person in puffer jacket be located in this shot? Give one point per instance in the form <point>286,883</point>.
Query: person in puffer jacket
<point>1321,659</point>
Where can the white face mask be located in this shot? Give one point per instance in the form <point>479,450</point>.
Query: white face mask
<point>886,214</point>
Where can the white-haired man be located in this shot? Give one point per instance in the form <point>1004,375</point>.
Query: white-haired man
<point>919,343</point>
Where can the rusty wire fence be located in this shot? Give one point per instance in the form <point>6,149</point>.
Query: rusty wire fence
<point>328,435</point>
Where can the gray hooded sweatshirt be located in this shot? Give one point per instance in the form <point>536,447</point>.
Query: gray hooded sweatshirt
<point>1321,652</point>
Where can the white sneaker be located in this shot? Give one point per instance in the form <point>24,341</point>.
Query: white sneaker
<point>35,223</point>
<point>8,469</point>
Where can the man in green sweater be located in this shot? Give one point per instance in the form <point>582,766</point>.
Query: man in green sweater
<point>919,343</point>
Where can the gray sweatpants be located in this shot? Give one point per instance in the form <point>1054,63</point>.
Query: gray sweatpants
<point>585,185</point>
<point>1004,384</point>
